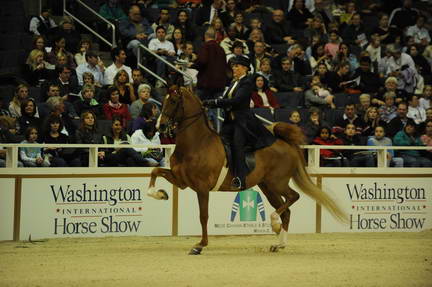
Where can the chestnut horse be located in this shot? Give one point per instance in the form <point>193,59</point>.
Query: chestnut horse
<point>199,157</point>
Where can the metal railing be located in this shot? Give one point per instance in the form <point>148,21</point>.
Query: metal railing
<point>139,64</point>
<point>113,42</point>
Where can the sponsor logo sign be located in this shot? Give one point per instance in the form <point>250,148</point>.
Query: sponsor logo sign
<point>92,207</point>
<point>381,204</point>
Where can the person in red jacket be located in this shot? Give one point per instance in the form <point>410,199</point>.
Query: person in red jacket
<point>262,96</point>
<point>114,107</point>
<point>328,158</point>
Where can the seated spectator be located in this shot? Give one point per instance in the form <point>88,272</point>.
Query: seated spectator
<point>262,96</point>
<point>219,29</point>
<point>163,48</point>
<point>338,80</point>
<point>164,20</point>
<point>356,158</point>
<point>258,54</point>
<point>407,137</point>
<point>279,30</point>
<point>397,123</point>
<point>138,79</point>
<point>118,57</point>
<point>415,112</point>
<point>425,100</point>
<point>59,50</point>
<point>300,63</point>
<point>295,118</point>
<point>286,80</point>
<point>21,94</point>
<point>241,29</point>
<point>68,84</point>
<point>149,112</point>
<point>386,34</point>
<point>56,106</point>
<point>318,96</point>
<point>332,47</point>
<point>422,126</point>
<point>313,123</point>
<point>265,70</point>
<point>148,135</point>
<point>186,26</point>
<point>93,65</point>
<point>322,73</point>
<point>28,118</point>
<point>319,56</point>
<point>344,55</point>
<point>237,49</point>
<point>423,67</point>
<point>391,85</point>
<point>84,46</point>
<point>32,156</point>
<point>178,41</point>
<point>371,121</point>
<point>419,32</point>
<point>401,66</point>
<point>328,158</point>
<point>349,116</point>
<point>365,103</point>
<point>53,127</point>
<point>374,49</point>
<point>369,81</point>
<point>379,139</point>
<point>228,42</point>
<point>43,24</point>
<point>88,102</point>
<point>317,30</point>
<point>39,44</point>
<point>354,33</point>
<point>7,135</point>
<point>135,30</point>
<point>115,108</point>
<point>37,70</point>
<point>388,111</point>
<point>426,138</point>
<point>112,11</point>
<point>87,133</point>
<point>66,30</point>
<point>228,14</point>
<point>100,93</point>
<point>125,88</point>
<point>120,156</point>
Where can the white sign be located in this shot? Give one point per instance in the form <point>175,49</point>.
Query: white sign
<point>247,212</point>
<point>7,199</point>
<point>93,207</point>
<point>381,204</point>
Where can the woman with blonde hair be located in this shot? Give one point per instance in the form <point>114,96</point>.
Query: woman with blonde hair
<point>217,25</point>
<point>126,91</point>
<point>372,120</point>
<point>37,70</point>
<point>21,94</point>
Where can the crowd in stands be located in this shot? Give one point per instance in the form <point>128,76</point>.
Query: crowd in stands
<point>347,72</point>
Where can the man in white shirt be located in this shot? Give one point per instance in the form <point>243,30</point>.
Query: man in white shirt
<point>398,60</point>
<point>42,24</point>
<point>118,56</point>
<point>415,112</point>
<point>419,32</point>
<point>163,48</point>
<point>149,136</point>
<point>94,66</point>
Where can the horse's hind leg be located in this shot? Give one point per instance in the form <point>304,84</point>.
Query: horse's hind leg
<point>274,194</point>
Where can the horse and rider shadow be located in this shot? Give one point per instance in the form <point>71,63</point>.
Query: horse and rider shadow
<point>199,159</point>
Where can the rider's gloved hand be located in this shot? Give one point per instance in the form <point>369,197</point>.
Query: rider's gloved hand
<point>210,103</point>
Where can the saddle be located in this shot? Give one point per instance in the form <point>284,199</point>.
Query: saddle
<point>249,158</point>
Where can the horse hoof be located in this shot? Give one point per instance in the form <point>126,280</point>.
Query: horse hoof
<point>162,194</point>
<point>195,251</point>
<point>275,248</point>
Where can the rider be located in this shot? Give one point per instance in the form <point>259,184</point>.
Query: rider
<point>240,126</point>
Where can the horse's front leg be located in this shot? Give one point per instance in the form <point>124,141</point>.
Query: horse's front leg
<point>203,200</point>
<point>168,175</point>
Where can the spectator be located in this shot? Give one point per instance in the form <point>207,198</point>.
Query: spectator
<point>398,122</point>
<point>415,112</point>
<point>39,44</point>
<point>426,138</point>
<point>365,103</point>
<point>287,80</point>
<point>266,71</point>
<point>184,24</point>
<point>60,50</point>
<point>318,96</point>
<point>28,117</point>
<point>332,47</point>
<point>21,94</point>
<point>219,29</point>
<point>7,135</point>
<point>356,158</point>
<point>422,65</point>
<point>317,30</point>
<point>88,133</point>
<point>100,93</point>
<point>419,32</point>
<point>328,158</point>
<point>369,81</point>
<point>319,56</point>
<point>237,49</point>
<point>299,14</point>
<point>379,139</point>
<point>212,68</point>
<point>118,57</point>
<point>262,96</point>
<point>120,156</point>
<point>84,46</point>
<point>344,55</point>
<point>37,70</point>
<point>279,30</point>
<point>115,108</point>
<point>149,136</point>
<point>88,102</point>
<point>425,100</point>
<point>144,91</point>
<point>313,124</point>
<point>391,84</point>
<point>138,79</point>
<point>163,48</point>
<point>338,80</point>
<point>227,16</point>
<point>178,41</point>
<point>206,14</point>
<point>67,31</point>
<point>355,34</point>
<point>164,20</point>
<point>407,137</point>
<point>398,61</point>
<point>148,113</point>
<point>349,117</point>
<point>295,118</point>
<point>112,11</point>
<point>32,156</point>
<point>228,42</point>
<point>56,106</point>
<point>125,88</point>
<point>53,127</point>
<point>42,24</point>
<point>242,31</point>
<point>322,73</point>
<point>388,111</point>
<point>136,29</point>
<point>300,62</point>
<point>374,49</point>
<point>371,121</point>
<point>93,65</point>
<point>386,34</point>
<point>403,17</point>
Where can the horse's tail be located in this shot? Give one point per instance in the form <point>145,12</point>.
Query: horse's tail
<point>294,136</point>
